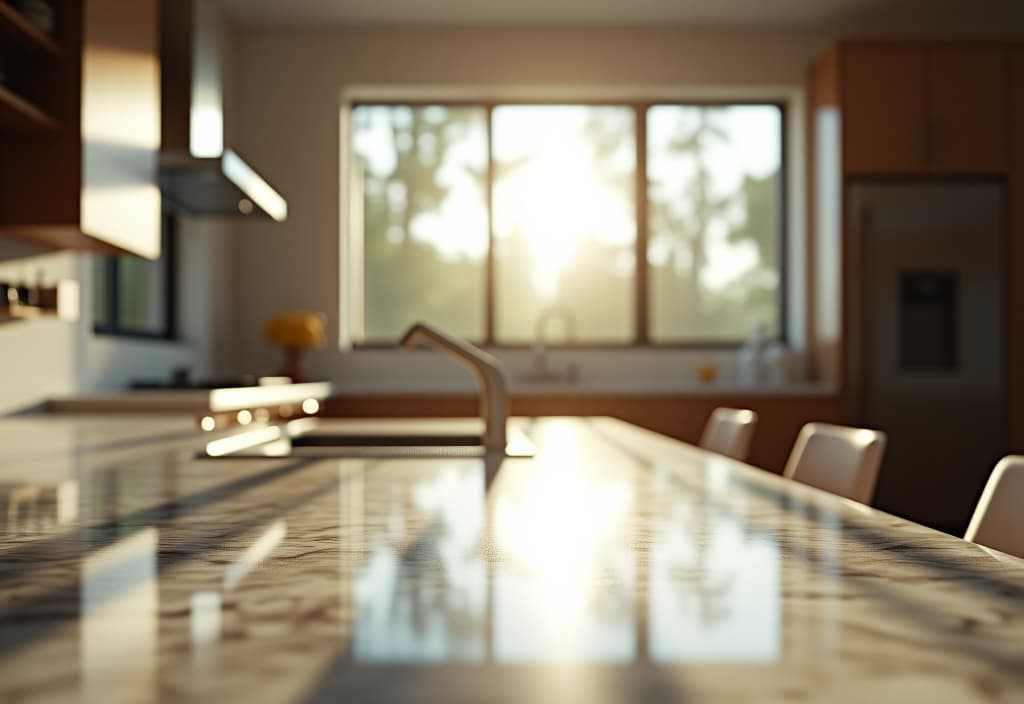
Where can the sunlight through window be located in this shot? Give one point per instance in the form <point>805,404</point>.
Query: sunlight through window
<point>487,220</point>
<point>714,193</point>
<point>424,218</point>
<point>564,219</point>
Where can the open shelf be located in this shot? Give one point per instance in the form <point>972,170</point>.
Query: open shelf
<point>61,302</point>
<point>19,114</point>
<point>62,237</point>
<point>57,83</point>
<point>16,311</point>
<point>20,35</point>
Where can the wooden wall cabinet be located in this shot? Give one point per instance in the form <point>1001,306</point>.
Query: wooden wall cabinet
<point>898,108</point>
<point>21,45</point>
<point>80,127</point>
<point>883,102</point>
<point>62,301</point>
<point>892,110</point>
<point>924,108</point>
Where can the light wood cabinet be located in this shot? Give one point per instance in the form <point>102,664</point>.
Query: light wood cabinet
<point>924,108</point>
<point>80,127</point>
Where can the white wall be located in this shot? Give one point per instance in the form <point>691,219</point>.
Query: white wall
<point>292,90</point>
<point>50,358</point>
<point>44,359</point>
<point>38,358</point>
<point>203,302</point>
<point>294,80</point>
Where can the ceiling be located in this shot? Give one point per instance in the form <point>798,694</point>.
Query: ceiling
<point>776,13</point>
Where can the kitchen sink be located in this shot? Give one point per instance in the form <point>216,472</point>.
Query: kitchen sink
<point>340,440</point>
<point>310,438</point>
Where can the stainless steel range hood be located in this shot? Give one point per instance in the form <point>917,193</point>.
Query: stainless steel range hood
<point>198,173</point>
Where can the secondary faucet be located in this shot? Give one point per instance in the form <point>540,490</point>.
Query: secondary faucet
<point>540,361</point>
<point>486,369</point>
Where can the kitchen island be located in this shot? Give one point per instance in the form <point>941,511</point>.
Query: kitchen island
<point>614,565</point>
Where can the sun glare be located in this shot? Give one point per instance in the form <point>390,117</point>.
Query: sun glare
<point>556,193</point>
<point>538,204</point>
<point>549,197</point>
<point>556,526</point>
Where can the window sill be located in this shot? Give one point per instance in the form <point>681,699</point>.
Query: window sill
<point>584,347</point>
<point>620,370</point>
<point>588,387</point>
<point>129,335</point>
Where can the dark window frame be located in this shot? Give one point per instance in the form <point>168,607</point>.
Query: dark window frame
<point>641,280</point>
<point>110,272</point>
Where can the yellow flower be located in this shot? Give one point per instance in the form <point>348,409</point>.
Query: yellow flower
<point>707,372</point>
<point>299,330</point>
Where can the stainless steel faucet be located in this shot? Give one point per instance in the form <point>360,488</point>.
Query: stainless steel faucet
<point>540,360</point>
<point>486,369</point>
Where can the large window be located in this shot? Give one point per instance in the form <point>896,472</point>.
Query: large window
<point>564,221</point>
<point>714,221</point>
<point>606,224</point>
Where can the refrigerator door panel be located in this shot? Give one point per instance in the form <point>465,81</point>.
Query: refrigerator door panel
<point>933,343</point>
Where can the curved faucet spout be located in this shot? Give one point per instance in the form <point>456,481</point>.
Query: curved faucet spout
<point>486,369</point>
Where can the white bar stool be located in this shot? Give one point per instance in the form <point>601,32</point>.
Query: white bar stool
<point>729,432</point>
<point>998,520</point>
<point>838,459</point>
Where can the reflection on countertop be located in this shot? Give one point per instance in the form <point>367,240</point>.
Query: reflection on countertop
<point>616,565</point>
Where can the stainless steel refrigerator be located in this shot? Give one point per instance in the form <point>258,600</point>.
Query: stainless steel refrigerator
<point>933,345</point>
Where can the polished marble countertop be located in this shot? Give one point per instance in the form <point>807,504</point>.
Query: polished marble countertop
<point>615,565</point>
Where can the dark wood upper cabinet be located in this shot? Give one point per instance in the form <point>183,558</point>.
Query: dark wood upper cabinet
<point>80,127</point>
<point>967,127</point>
<point>883,102</point>
<point>924,107</point>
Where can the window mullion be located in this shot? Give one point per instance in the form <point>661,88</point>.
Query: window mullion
<point>782,224</point>
<point>489,269</point>
<point>170,288</point>
<point>111,274</point>
<point>640,197</point>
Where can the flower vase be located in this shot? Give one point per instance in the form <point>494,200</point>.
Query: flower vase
<point>295,365</point>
